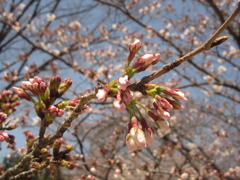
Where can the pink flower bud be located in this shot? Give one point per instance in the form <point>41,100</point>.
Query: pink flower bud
<point>35,87</point>
<point>3,136</point>
<point>160,111</point>
<point>176,93</point>
<point>42,87</point>
<point>139,66</point>
<point>148,59</point>
<point>38,79</point>
<point>130,142</point>
<point>29,135</point>
<point>163,102</point>
<point>22,94</point>
<point>54,111</point>
<point>127,96</point>
<point>102,94</point>
<point>74,102</point>
<point>119,105</point>
<point>152,115</point>
<point>135,46</point>
<point>137,134</point>
<point>176,105</point>
<point>123,82</point>
<point>3,117</point>
<point>52,108</point>
<point>26,85</point>
<point>31,80</point>
<point>149,132</point>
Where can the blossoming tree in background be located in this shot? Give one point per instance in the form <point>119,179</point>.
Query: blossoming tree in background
<point>102,99</point>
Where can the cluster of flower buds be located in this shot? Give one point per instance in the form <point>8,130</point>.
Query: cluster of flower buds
<point>61,157</point>
<point>164,99</point>
<point>8,102</point>
<point>38,88</point>
<point>71,104</point>
<point>45,95</point>
<point>35,85</point>
<point>123,95</point>
<point>4,136</point>
<point>52,113</point>
<point>139,136</point>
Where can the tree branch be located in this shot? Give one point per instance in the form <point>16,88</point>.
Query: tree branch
<point>211,42</point>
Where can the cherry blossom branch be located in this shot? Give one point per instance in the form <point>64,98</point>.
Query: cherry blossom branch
<point>74,114</point>
<point>211,42</point>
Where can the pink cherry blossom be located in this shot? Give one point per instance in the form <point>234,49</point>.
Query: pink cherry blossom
<point>123,82</point>
<point>149,135</point>
<point>138,136</point>
<point>102,94</point>
<point>135,46</point>
<point>130,142</point>
<point>148,131</point>
<point>119,105</point>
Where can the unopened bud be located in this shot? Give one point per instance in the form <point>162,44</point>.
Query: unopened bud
<point>22,94</point>
<point>152,115</point>
<point>3,117</point>
<point>67,164</point>
<point>56,146</point>
<point>62,104</point>
<point>37,165</point>
<point>3,136</point>
<point>68,148</point>
<point>135,46</point>
<point>54,85</point>
<point>64,86</point>
<point>44,151</point>
<point>40,108</point>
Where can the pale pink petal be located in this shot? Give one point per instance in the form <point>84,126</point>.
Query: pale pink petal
<point>149,136</point>
<point>119,106</point>
<point>130,143</point>
<point>138,137</point>
<point>135,46</point>
<point>123,82</point>
<point>162,124</point>
<point>102,95</point>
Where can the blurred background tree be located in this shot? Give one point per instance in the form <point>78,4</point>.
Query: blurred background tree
<point>88,42</point>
